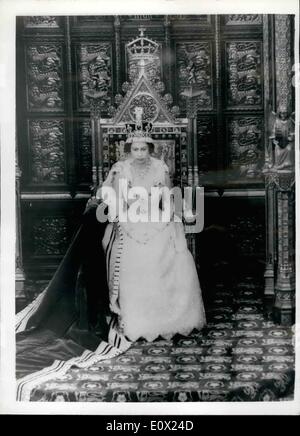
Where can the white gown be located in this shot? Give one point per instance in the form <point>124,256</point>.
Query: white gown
<point>153,282</point>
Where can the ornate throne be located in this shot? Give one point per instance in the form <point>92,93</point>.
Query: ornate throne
<point>172,136</point>
<point>144,89</point>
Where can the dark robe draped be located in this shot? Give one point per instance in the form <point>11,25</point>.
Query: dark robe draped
<point>72,315</point>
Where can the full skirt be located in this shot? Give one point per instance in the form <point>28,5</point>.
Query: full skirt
<point>153,282</point>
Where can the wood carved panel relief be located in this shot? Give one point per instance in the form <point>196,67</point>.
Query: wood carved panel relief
<point>44,77</point>
<point>244,135</point>
<point>47,151</point>
<point>194,68</point>
<point>245,19</point>
<point>41,21</point>
<point>94,70</point>
<point>244,74</point>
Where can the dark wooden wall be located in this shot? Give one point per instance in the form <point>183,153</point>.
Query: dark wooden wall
<point>56,56</point>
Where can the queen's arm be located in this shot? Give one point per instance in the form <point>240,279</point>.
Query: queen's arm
<point>109,193</point>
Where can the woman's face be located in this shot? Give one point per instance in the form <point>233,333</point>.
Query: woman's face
<point>139,151</point>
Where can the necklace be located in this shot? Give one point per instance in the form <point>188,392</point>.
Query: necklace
<point>149,238</point>
<point>140,170</point>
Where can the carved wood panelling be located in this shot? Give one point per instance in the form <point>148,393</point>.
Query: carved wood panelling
<point>221,56</point>
<point>246,19</point>
<point>244,136</point>
<point>50,236</point>
<point>85,151</point>
<point>47,151</point>
<point>86,20</point>
<point>94,64</point>
<point>42,21</point>
<point>47,229</point>
<point>44,77</point>
<point>194,67</point>
<point>244,74</point>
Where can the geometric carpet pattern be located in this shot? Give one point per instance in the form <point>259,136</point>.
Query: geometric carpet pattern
<point>239,356</point>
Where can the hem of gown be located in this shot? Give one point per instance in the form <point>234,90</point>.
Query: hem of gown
<point>166,336</point>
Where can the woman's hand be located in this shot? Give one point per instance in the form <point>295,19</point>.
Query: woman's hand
<point>92,203</point>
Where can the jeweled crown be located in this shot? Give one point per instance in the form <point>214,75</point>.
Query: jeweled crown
<point>140,130</point>
<point>142,47</point>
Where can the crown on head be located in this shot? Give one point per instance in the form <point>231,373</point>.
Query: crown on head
<point>139,133</point>
<point>142,47</point>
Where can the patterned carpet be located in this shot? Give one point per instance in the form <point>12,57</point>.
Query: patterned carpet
<point>239,356</point>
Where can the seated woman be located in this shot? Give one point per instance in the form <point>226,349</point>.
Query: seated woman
<point>153,289</point>
<point>153,283</point>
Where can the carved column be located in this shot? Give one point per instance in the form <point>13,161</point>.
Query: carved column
<point>283,61</point>
<point>117,26</point>
<point>97,167</point>
<point>270,210</point>
<point>191,94</point>
<point>269,274</point>
<point>279,172</point>
<point>94,147</point>
<point>20,277</point>
<point>69,107</point>
<point>285,278</point>
<point>195,150</point>
<point>219,108</point>
<point>190,151</point>
<point>98,101</point>
<point>168,71</point>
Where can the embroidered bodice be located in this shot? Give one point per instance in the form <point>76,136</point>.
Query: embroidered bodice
<point>125,175</point>
<point>153,173</point>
